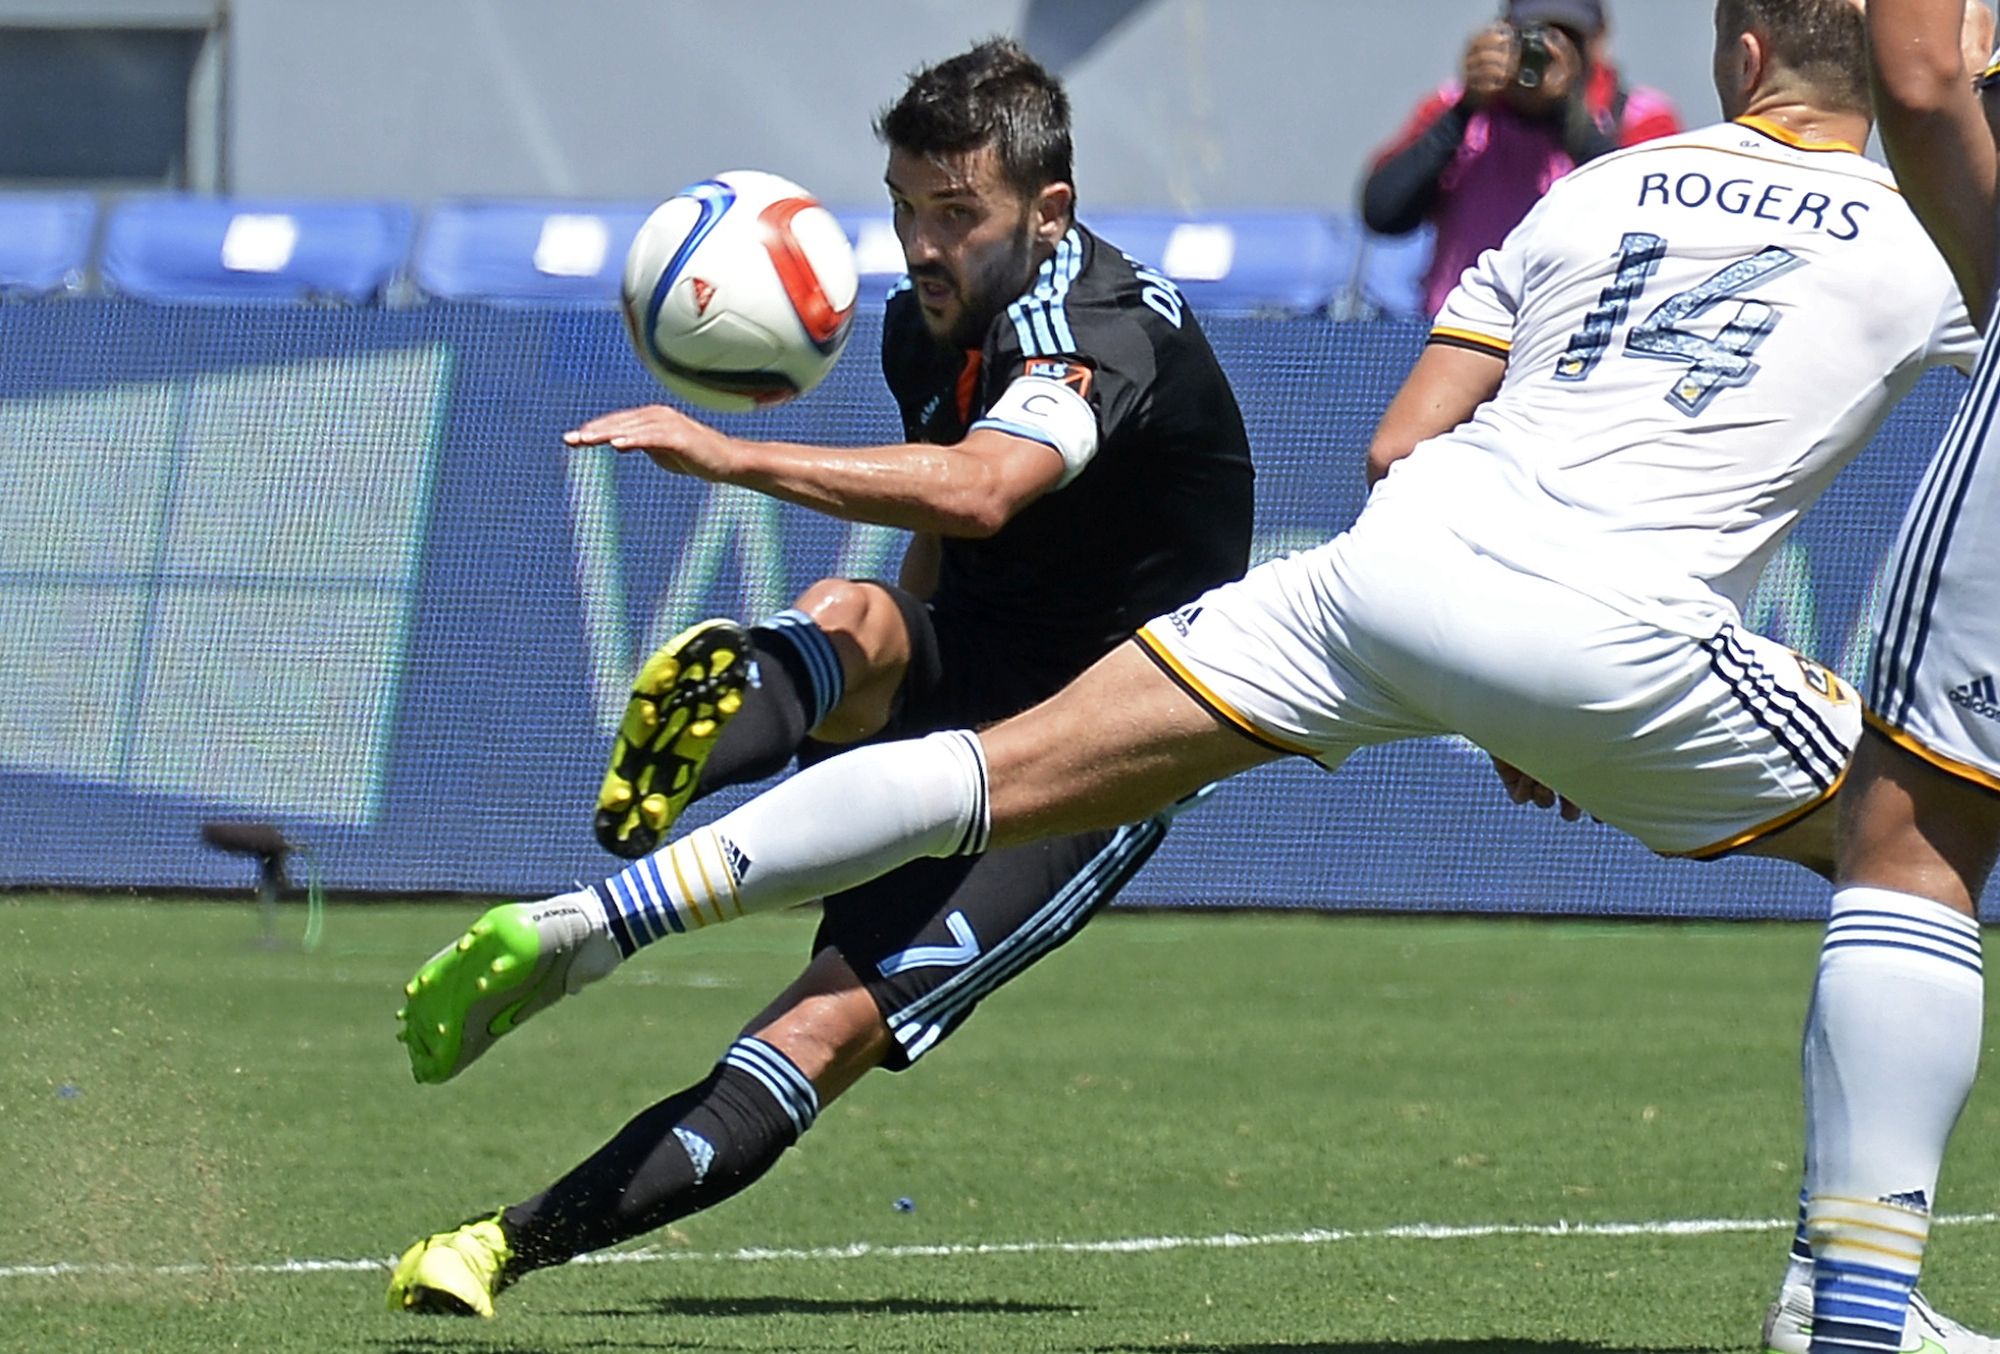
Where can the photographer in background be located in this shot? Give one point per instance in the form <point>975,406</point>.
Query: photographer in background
<point>1537,96</point>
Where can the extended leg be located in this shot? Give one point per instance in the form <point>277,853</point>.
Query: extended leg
<point>715,1138</point>
<point>1116,746</point>
<point>1892,1041</point>
<point>687,1153</point>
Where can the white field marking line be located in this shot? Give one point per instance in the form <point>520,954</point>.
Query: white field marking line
<point>868,1250</point>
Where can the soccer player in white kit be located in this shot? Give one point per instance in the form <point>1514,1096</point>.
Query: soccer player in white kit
<point>1893,1040</point>
<point>1623,411</point>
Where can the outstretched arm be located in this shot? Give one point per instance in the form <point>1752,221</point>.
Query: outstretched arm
<point>971,489</point>
<point>1936,134</point>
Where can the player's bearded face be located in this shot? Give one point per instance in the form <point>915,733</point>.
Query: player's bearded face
<point>968,240</point>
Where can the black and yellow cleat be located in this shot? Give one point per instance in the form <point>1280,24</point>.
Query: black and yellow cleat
<point>684,695</point>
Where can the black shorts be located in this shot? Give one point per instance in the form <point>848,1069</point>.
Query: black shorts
<point>932,938</point>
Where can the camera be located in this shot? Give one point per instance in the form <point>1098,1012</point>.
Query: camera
<point>1533,40</point>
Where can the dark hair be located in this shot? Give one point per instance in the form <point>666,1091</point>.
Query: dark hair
<point>1824,42</point>
<point>995,94</point>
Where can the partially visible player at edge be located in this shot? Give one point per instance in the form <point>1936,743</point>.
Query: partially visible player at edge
<point>1893,1038</point>
<point>1076,464</point>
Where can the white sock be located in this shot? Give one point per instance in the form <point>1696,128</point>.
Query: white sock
<point>1798,1264</point>
<point>828,828</point>
<point>1891,1049</point>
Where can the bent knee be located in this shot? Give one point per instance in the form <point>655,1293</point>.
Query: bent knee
<point>831,1033</point>
<point>859,616</point>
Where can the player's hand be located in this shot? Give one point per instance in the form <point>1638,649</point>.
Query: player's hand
<point>1562,79</point>
<point>1490,62</point>
<point>1523,788</point>
<point>674,441</point>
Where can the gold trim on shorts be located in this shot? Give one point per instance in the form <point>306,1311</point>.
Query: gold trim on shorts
<point>1762,830</point>
<point>1214,704</point>
<point>1909,743</point>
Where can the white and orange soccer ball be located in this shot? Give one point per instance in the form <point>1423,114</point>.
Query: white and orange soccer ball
<point>739,291</point>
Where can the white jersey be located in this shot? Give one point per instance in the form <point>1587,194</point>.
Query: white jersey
<point>1700,331</point>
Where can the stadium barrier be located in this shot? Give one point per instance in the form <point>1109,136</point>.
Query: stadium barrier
<point>543,252</point>
<point>332,568</point>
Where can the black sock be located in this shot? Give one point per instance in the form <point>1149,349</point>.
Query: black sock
<point>689,1152</point>
<point>778,711</point>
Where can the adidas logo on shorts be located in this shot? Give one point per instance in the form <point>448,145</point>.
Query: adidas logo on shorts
<point>1978,696</point>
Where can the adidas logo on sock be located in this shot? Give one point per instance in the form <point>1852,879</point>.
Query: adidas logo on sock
<point>739,862</point>
<point>1978,696</point>
<point>1915,1200</point>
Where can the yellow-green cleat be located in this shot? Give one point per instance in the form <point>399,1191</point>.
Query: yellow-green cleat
<point>517,960</point>
<point>683,697</point>
<point>455,1273</point>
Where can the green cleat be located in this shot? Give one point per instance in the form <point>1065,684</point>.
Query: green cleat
<point>455,1273</point>
<point>516,961</point>
<point>682,698</point>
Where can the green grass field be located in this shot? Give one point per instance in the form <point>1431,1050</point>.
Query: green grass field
<point>221,1146</point>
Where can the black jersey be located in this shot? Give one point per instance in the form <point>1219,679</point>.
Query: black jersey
<point>1162,511</point>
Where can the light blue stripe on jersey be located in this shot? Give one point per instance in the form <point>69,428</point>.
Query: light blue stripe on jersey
<point>927,1019</point>
<point>1041,318</point>
<point>1926,537</point>
<point>779,1075</point>
<point>1066,271</point>
<point>1024,332</point>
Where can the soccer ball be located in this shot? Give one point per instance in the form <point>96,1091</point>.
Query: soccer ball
<point>739,291</point>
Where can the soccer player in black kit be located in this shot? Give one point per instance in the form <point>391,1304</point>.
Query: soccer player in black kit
<point>1077,465</point>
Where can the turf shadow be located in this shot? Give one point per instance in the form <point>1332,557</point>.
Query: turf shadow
<point>797,1306</point>
<point>458,1343</point>
<point>1508,1346</point>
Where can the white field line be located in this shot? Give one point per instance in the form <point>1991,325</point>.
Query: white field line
<point>868,1250</point>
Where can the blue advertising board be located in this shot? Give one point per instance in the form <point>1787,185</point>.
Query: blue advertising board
<point>334,569</point>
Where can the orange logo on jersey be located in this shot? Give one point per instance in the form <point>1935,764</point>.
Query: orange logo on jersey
<point>1072,374</point>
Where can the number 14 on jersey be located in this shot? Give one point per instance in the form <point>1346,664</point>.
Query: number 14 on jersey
<point>1713,364</point>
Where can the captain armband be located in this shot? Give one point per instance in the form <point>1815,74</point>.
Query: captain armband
<point>1051,412</point>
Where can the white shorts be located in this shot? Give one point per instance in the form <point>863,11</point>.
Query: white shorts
<point>1934,684</point>
<point>1399,629</point>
